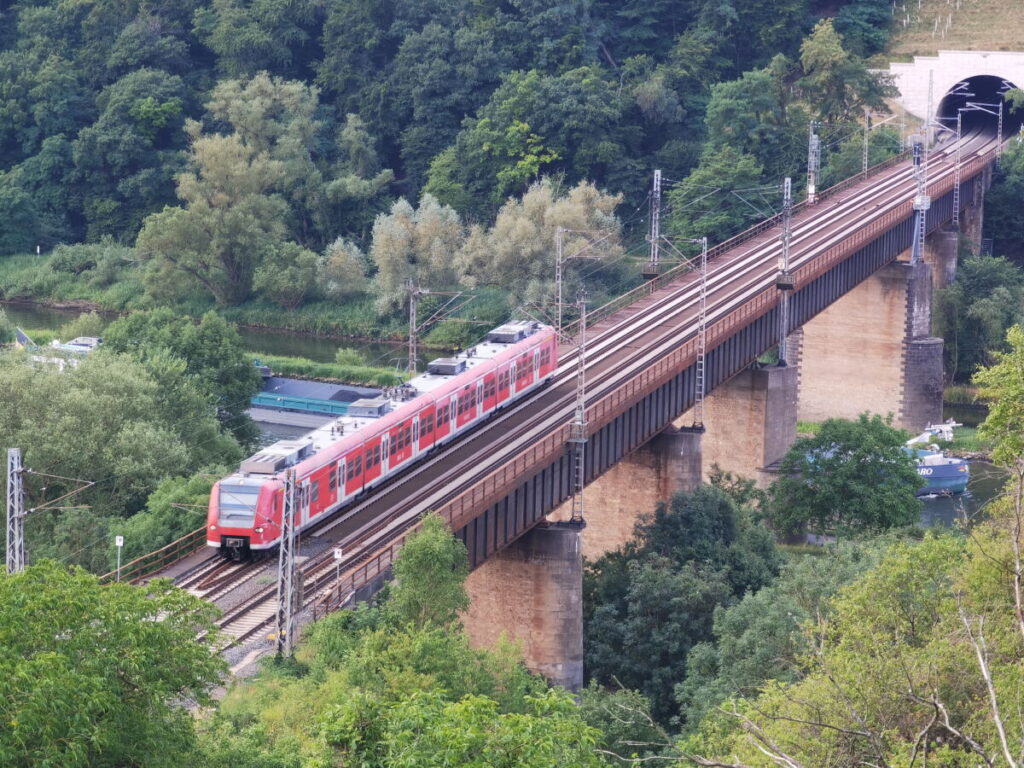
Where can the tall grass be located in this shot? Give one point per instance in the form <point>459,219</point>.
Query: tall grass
<point>357,375</point>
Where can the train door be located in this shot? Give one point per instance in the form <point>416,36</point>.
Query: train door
<point>536,365</point>
<point>415,435</point>
<point>385,453</point>
<point>478,409</point>
<point>304,500</point>
<point>337,481</point>
<point>426,429</point>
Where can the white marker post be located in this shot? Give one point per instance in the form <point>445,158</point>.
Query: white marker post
<point>119,542</point>
<point>338,554</point>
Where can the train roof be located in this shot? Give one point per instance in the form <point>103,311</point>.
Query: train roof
<point>339,436</point>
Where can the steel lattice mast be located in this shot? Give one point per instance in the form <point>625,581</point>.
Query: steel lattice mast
<point>653,265</point>
<point>578,429</point>
<point>700,369</point>
<point>286,575</point>
<point>15,512</point>
<point>784,280</point>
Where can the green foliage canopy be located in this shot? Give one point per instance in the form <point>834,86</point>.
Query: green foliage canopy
<point>850,476</point>
<point>94,674</point>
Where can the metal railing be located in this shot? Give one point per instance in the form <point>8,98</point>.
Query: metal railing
<point>152,563</point>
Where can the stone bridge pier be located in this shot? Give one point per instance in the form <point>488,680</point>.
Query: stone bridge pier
<point>532,592</point>
<point>872,350</point>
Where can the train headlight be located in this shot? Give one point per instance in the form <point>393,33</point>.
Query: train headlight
<point>213,527</point>
<point>258,530</point>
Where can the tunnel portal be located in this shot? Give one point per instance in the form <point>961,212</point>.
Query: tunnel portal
<point>985,91</point>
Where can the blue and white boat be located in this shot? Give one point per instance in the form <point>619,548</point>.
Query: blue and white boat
<point>943,475</point>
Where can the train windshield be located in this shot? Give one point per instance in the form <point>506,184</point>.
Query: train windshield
<point>238,504</point>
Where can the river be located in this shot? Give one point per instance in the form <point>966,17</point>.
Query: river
<point>986,483</point>
<point>258,340</point>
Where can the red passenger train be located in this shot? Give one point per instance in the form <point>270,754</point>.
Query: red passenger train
<point>377,438</point>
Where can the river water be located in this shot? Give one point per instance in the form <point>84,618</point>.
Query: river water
<point>258,340</point>
<point>985,484</point>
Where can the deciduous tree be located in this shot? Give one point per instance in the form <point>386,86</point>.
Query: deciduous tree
<point>94,675</point>
<point>850,476</point>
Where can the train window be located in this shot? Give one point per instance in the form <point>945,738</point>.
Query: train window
<point>370,460</point>
<point>428,423</point>
<point>332,481</point>
<point>341,475</point>
<point>359,465</point>
<point>408,436</point>
<point>351,473</point>
<point>316,489</point>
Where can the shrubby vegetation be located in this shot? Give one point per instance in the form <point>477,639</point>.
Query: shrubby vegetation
<point>398,683</point>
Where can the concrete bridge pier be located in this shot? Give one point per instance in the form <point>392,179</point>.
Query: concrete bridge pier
<point>532,592</point>
<point>750,421</point>
<point>872,351</point>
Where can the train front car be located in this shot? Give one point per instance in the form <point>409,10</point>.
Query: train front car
<point>244,515</point>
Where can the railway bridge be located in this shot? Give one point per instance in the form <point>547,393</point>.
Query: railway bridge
<point>858,316</point>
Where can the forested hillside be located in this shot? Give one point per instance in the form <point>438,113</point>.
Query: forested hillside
<point>250,148</point>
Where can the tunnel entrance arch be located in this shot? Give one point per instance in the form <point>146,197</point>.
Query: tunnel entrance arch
<point>952,73</point>
<point>979,96</point>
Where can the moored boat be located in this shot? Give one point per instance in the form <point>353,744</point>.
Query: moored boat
<point>943,475</point>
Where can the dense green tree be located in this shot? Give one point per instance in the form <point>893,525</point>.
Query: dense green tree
<point>429,577</point>
<point>647,606</point>
<point>94,674</point>
<point>762,637</point>
<point>414,244</point>
<point>1004,217</point>
<point>837,83</point>
<point>211,350</point>
<point>864,26</point>
<point>850,476</point>
<point>976,311</point>
<point>710,201</point>
<point>231,223</point>
<point>848,159</point>
<point>142,421</point>
<point>752,115</point>
<point>441,75</point>
<point>398,683</point>
<point>516,253</point>
<point>536,123</point>
<point>126,160</point>
<point>253,35</point>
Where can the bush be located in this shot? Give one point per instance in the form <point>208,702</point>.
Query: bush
<point>302,368</point>
<point>349,357</point>
<point>6,328</point>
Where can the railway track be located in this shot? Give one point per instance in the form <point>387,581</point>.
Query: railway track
<point>621,345</point>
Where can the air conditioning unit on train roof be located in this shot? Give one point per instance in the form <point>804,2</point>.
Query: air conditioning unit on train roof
<point>369,408</point>
<point>274,458</point>
<point>446,366</point>
<point>510,333</point>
